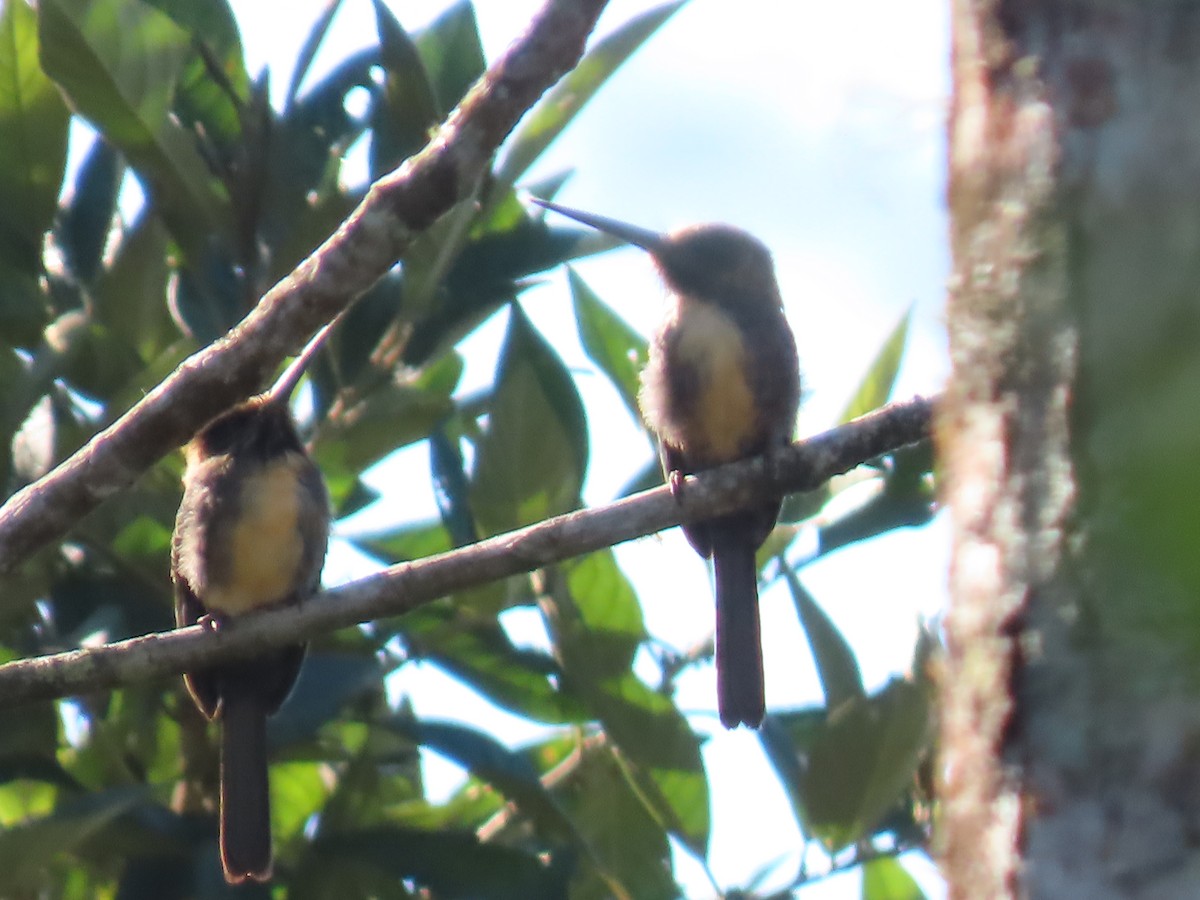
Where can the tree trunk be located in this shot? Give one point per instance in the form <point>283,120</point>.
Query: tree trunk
<point>1070,441</point>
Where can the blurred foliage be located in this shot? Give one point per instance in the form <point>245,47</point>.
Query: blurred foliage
<point>97,305</point>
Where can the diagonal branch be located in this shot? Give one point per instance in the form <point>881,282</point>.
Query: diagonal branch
<point>396,209</point>
<point>402,588</point>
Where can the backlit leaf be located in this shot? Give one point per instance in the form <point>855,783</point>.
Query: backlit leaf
<point>876,385</point>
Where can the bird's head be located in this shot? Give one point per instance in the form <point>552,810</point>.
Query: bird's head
<point>262,427</point>
<point>717,263</point>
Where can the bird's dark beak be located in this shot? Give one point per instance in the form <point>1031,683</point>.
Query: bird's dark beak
<point>648,240</point>
<point>281,391</point>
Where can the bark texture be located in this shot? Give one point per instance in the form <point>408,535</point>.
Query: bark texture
<point>1070,439</point>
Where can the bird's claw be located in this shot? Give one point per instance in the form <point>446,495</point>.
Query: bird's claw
<point>210,622</point>
<point>675,483</point>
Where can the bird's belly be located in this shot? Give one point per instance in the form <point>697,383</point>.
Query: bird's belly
<point>265,545</point>
<point>726,417</point>
<point>720,418</point>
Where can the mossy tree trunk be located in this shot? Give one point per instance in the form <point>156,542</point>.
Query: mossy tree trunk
<point>1070,441</point>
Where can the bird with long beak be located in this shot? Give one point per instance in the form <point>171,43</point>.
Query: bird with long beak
<point>251,533</point>
<point>722,383</point>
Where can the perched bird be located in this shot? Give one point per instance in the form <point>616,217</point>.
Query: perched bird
<point>722,383</point>
<point>251,533</point>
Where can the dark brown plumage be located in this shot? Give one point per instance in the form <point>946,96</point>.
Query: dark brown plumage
<point>722,383</point>
<point>251,533</point>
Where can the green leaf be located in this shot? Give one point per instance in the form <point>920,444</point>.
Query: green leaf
<point>23,308</point>
<point>27,850</point>
<point>35,445</point>
<point>299,791</point>
<point>15,384</point>
<point>128,296</point>
<point>876,385</point>
<point>672,785</point>
<point>561,104</point>
<point>208,296</point>
<point>388,419</point>
<point>786,739</point>
<point>429,264</point>
<point>349,350</point>
<point>627,848</point>
<point>508,771</point>
<point>403,116</point>
<point>477,650</point>
<point>100,363</point>
<point>31,740</point>
<point>312,43</point>
<point>597,626</point>
<point>615,347</point>
<point>885,879</point>
<point>119,62</point>
<point>144,537</point>
<point>302,202</point>
<point>836,665</point>
<point>33,153</point>
<point>453,54</point>
<point>488,271</point>
<point>85,222</point>
<point>352,496</point>
<point>210,105</point>
<point>89,604</point>
<point>393,415</point>
<point>327,682</point>
<point>805,504</point>
<point>605,617</point>
<point>451,487</point>
<point>913,469</point>
<point>863,758</point>
<point>886,511</point>
<point>531,460</point>
<point>406,542</point>
<point>448,863</point>
<point>904,497</point>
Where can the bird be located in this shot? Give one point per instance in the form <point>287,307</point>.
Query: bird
<point>721,383</point>
<point>251,533</point>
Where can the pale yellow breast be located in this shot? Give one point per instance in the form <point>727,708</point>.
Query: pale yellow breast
<point>725,418</point>
<point>265,545</point>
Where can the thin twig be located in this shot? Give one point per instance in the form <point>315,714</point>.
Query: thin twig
<point>397,209</point>
<point>402,588</point>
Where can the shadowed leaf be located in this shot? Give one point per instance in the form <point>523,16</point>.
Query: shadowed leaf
<point>33,152</point>
<point>876,385</point>
<point>616,349</point>
<point>561,104</point>
<point>532,458</point>
<point>835,661</point>
<point>120,63</point>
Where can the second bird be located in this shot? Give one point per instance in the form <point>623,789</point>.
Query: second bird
<point>251,533</point>
<point>722,384</point>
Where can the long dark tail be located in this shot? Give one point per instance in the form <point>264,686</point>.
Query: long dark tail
<point>245,797</point>
<point>740,692</point>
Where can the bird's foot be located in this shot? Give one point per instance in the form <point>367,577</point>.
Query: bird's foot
<point>675,483</point>
<point>211,622</point>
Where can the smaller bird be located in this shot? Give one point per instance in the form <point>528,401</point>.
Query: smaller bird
<point>722,383</point>
<point>251,533</point>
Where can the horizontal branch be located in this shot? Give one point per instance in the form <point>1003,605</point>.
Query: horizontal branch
<point>396,209</point>
<point>399,589</point>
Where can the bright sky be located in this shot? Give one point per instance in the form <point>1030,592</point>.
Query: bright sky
<point>819,128</point>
